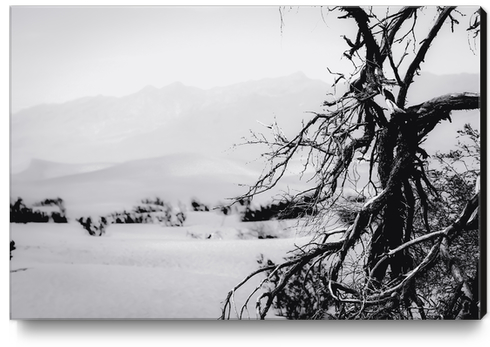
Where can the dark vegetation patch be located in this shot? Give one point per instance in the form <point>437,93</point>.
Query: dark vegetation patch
<point>150,211</point>
<point>285,209</point>
<point>21,213</point>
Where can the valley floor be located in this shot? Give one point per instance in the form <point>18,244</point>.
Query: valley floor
<point>138,271</point>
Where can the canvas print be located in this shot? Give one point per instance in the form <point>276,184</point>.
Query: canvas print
<point>247,162</point>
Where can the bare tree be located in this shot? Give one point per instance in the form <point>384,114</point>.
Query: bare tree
<point>374,269</point>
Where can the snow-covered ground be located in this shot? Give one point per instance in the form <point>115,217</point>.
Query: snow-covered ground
<point>139,271</point>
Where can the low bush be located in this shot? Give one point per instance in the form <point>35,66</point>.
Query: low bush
<point>198,206</point>
<point>286,209</point>
<point>152,211</point>
<point>20,213</point>
<point>58,217</point>
<point>96,228</point>
<point>12,247</point>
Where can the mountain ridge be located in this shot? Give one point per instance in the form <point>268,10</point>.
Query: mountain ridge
<point>179,118</point>
<point>95,128</point>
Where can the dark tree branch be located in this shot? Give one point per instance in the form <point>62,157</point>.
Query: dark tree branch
<point>428,114</point>
<point>393,27</point>
<point>362,19</point>
<point>419,58</point>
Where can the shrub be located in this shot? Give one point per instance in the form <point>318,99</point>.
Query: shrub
<point>286,209</point>
<point>152,211</point>
<point>58,217</point>
<point>198,206</point>
<point>20,213</point>
<point>12,247</point>
<point>94,229</point>
<point>53,202</point>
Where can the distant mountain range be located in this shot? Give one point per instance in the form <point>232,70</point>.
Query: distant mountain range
<point>155,122</point>
<point>178,118</point>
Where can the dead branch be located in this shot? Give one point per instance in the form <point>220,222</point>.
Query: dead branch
<point>420,56</point>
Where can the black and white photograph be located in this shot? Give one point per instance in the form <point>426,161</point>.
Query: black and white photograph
<point>247,163</point>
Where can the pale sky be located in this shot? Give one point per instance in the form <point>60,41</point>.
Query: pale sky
<point>63,53</point>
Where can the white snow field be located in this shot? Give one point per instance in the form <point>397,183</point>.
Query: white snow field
<point>138,271</point>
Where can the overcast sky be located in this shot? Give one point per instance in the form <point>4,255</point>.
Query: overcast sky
<point>63,53</point>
